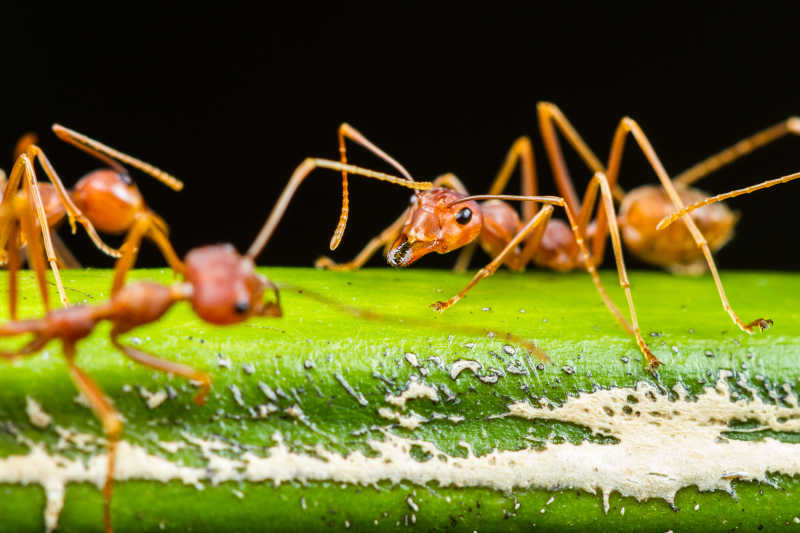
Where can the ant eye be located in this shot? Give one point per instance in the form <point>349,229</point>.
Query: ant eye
<point>241,307</point>
<point>464,216</point>
<point>413,199</point>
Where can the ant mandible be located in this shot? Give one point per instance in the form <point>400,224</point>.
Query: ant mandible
<point>106,200</point>
<point>681,250</point>
<point>221,285</point>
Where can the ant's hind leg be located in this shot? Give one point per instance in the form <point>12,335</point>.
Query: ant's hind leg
<point>163,365</point>
<point>109,417</point>
<point>628,125</point>
<point>740,149</point>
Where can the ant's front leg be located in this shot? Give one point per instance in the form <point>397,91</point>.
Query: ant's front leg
<point>541,218</point>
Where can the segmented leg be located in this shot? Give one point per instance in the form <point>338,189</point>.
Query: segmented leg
<point>666,221</point>
<point>109,417</point>
<point>540,218</point>
<point>35,202</point>
<point>626,126</point>
<point>520,154</point>
<point>163,365</point>
<point>741,148</point>
<point>73,213</point>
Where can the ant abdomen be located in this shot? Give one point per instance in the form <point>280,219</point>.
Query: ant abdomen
<point>645,206</point>
<point>110,200</point>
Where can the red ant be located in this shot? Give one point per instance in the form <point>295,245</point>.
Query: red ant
<point>105,199</point>
<point>221,285</point>
<point>437,222</point>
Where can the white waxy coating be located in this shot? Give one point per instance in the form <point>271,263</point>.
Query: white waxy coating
<point>415,389</point>
<point>669,445</point>
<point>36,414</point>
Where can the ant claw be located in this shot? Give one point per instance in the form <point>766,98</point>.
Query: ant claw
<point>440,306</point>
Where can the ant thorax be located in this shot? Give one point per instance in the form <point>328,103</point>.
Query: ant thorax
<point>673,247</point>
<point>225,286</point>
<point>110,200</point>
<point>435,223</point>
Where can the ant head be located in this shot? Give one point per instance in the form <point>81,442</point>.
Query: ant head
<point>436,222</point>
<point>109,199</point>
<point>225,286</point>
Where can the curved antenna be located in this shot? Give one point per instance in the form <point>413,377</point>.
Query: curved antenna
<point>667,220</point>
<point>110,156</point>
<point>300,173</point>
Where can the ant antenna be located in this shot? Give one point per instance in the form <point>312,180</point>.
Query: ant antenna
<point>108,155</point>
<point>300,173</point>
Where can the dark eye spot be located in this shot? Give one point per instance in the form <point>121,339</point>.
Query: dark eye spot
<point>464,216</point>
<point>241,307</point>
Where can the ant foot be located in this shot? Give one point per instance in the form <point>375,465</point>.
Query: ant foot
<point>653,364</point>
<point>440,306</point>
<point>762,324</point>
<point>204,382</point>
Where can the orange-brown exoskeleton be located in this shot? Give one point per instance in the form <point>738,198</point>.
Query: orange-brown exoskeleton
<point>684,249</point>
<point>221,285</point>
<point>106,200</point>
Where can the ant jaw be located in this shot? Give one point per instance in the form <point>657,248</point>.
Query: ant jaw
<point>403,253</point>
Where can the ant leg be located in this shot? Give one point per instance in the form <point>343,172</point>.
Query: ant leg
<point>106,153</point>
<point>549,115</point>
<point>109,417</point>
<point>742,148</point>
<point>8,216</point>
<point>616,242</point>
<point>163,365</point>
<point>12,264</point>
<point>666,221</point>
<point>130,251</point>
<point>73,213</point>
<point>157,232</point>
<point>31,348</point>
<point>521,152</point>
<point>35,203</point>
<point>533,241</point>
<point>300,173</point>
<point>24,142</point>
<point>628,125</point>
<point>35,252</point>
<point>388,235</point>
<point>65,257</point>
<point>540,218</point>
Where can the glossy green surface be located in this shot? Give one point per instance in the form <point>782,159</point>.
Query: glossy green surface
<point>305,356</point>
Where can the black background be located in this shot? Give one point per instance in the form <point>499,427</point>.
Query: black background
<point>231,98</point>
